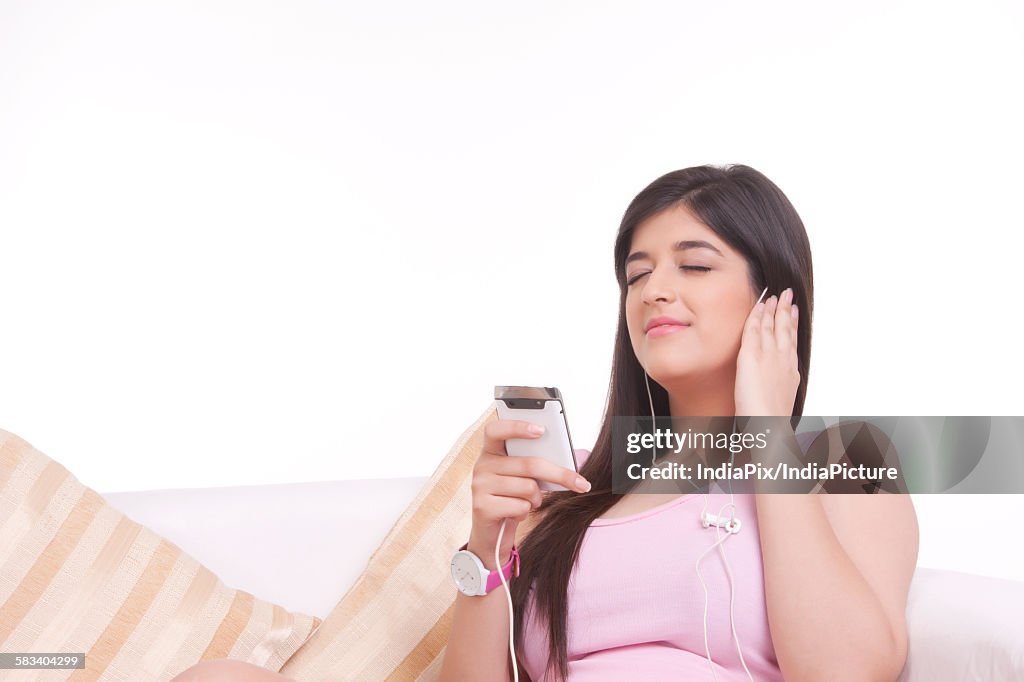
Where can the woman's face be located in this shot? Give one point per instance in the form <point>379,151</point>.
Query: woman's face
<point>702,282</point>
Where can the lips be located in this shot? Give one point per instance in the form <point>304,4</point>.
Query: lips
<point>663,320</point>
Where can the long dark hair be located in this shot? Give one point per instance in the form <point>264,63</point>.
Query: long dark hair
<point>751,214</point>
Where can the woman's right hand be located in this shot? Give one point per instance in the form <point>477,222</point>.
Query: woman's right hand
<point>506,487</point>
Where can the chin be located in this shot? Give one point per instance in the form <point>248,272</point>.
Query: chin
<point>685,373</point>
<point>667,373</point>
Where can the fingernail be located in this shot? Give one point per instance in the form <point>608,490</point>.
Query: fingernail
<point>535,429</point>
<point>582,483</point>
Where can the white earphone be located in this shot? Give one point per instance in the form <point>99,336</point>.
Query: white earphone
<point>731,525</point>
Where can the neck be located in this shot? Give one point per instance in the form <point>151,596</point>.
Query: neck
<point>704,396</point>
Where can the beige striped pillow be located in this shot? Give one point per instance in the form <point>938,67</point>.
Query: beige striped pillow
<point>76,575</point>
<point>393,623</point>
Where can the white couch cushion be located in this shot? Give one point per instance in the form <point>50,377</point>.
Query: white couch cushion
<point>300,545</point>
<point>964,627</point>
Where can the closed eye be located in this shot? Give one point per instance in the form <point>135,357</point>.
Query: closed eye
<point>698,268</point>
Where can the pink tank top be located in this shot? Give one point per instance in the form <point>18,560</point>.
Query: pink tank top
<point>636,605</point>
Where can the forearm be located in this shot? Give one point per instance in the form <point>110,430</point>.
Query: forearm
<point>824,617</point>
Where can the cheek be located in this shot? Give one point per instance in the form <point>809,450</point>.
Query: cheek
<point>637,341</point>
<point>634,320</point>
<point>724,338</point>
<point>731,334</point>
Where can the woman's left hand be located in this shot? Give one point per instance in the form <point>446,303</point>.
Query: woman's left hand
<point>767,373</point>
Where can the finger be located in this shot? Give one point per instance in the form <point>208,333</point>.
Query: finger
<point>518,486</point>
<point>752,326</point>
<point>768,323</point>
<point>784,320</point>
<point>543,470</point>
<point>497,432</point>
<point>501,507</point>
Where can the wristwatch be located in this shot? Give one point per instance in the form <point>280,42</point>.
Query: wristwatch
<point>473,579</point>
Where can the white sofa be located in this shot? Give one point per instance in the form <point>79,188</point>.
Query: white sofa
<point>302,545</point>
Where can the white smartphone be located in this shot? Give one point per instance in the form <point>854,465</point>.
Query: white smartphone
<point>539,405</point>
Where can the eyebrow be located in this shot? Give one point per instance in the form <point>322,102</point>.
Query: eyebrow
<point>684,245</point>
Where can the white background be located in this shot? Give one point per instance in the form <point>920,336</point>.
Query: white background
<point>253,242</point>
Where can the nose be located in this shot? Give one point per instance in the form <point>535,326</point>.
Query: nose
<point>657,287</point>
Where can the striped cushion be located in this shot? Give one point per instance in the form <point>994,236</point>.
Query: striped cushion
<point>393,623</point>
<point>76,575</point>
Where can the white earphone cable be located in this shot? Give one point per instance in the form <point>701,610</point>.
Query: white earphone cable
<point>732,598</point>
<point>508,596</point>
<point>732,526</point>
<point>707,649</point>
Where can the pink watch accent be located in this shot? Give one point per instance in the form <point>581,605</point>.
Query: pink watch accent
<point>494,577</point>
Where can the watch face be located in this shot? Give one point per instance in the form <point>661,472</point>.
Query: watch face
<point>466,574</point>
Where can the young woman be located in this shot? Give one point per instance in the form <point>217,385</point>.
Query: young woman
<point>616,587</point>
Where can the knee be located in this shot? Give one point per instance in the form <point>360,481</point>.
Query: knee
<point>226,670</point>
